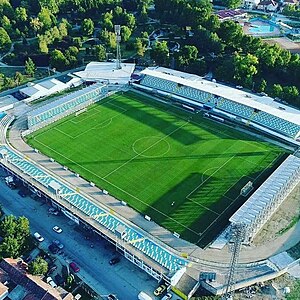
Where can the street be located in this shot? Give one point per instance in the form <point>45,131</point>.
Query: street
<point>122,279</point>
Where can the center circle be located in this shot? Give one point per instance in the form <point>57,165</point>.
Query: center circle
<point>151,146</point>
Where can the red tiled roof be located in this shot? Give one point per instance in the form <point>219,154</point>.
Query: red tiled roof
<point>18,275</point>
<point>229,13</point>
<point>267,2</point>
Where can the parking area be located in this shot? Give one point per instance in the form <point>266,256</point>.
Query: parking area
<point>99,264</point>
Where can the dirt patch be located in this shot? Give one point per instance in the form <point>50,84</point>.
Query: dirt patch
<point>284,43</point>
<point>282,220</point>
<point>273,289</point>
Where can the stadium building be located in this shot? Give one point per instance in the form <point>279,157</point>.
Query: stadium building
<point>195,95</point>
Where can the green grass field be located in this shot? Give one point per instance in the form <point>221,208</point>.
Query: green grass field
<point>184,171</point>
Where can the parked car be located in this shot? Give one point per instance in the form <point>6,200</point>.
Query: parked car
<point>53,211</point>
<point>160,290</point>
<point>57,229</point>
<point>114,260</point>
<point>112,297</point>
<point>74,267</point>
<point>12,185</point>
<point>38,237</point>
<point>58,244</point>
<point>23,193</point>
<point>59,279</point>
<point>50,281</point>
<point>53,249</point>
<point>168,296</point>
<point>52,269</point>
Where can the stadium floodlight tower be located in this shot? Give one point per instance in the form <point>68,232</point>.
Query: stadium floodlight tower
<point>118,35</point>
<point>237,233</point>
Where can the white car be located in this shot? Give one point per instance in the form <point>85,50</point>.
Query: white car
<point>38,237</point>
<point>167,296</point>
<point>57,229</point>
<point>51,282</point>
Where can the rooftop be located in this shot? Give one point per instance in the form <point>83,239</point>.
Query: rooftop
<point>262,103</point>
<point>64,99</point>
<point>106,71</point>
<point>230,13</point>
<point>16,270</point>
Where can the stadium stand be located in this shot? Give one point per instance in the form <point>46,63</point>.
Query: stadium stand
<point>276,123</point>
<point>251,108</point>
<point>64,106</point>
<point>133,236</point>
<point>259,208</point>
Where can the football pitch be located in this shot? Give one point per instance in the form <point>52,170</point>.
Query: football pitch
<point>182,170</point>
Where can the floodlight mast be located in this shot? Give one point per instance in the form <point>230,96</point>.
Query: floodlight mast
<point>118,36</point>
<point>237,235</point>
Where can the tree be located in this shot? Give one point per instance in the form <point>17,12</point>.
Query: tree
<point>71,55</point>
<point>15,231</point>
<point>231,33</point>
<point>140,47</point>
<point>6,24</point>
<point>87,26</point>
<point>21,14</point>
<point>100,52</point>
<point>23,227</point>
<point>125,33</point>
<point>43,45</point>
<point>5,40</point>
<point>130,21</point>
<point>245,68</point>
<point>8,226</point>
<point>36,25</point>
<point>10,247</point>
<point>262,86</point>
<point>45,18</point>
<point>160,53</point>
<point>109,38</point>
<point>52,5</point>
<point>18,78</point>
<point>277,90</point>
<point>63,28</point>
<point>232,3</point>
<point>268,55</point>
<point>290,94</point>
<point>58,60</point>
<point>187,55</point>
<point>107,21</point>
<point>30,67</point>
<point>38,266</point>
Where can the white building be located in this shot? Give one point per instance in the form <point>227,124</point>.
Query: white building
<point>47,87</point>
<point>267,5</point>
<point>250,4</point>
<point>107,72</point>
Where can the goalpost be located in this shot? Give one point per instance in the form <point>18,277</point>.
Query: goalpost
<point>247,188</point>
<point>80,111</point>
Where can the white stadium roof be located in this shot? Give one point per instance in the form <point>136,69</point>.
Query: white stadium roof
<point>262,103</point>
<point>43,88</point>
<point>107,71</point>
<point>263,196</point>
<point>63,99</point>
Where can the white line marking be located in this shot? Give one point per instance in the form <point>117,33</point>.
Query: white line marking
<point>139,154</point>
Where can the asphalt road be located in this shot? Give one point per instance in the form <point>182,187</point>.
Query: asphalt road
<point>123,279</point>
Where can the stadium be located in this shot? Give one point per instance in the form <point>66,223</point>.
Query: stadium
<point>182,158</point>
